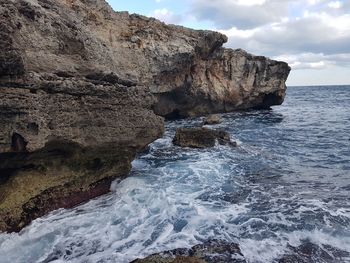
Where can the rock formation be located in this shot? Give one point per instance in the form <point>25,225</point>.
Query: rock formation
<point>201,138</point>
<point>212,251</point>
<point>188,70</point>
<point>309,252</point>
<point>79,86</point>
<point>212,119</point>
<point>64,140</point>
<point>65,134</point>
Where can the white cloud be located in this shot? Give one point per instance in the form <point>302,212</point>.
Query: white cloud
<point>313,2</point>
<point>166,16</point>
<point>317,65</point>
<point>315,61</point>
<point>239,33</point>
<point>238,13</point>
<point>308,34</point>
<point>335,4</point>
<point>251,2</point>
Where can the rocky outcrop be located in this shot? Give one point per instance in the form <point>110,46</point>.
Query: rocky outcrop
<point>201,138</point>
<point>63,140</point>
<point>222,81</point>
<point>212,119</point>
<point>216,251</point>
<point>79,86</point>
<point>67,130</point>
<point>188,70</point>
<point>212,251</point>
<point>309,252</point>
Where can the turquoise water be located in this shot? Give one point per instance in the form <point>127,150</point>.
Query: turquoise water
<point>287,184</point>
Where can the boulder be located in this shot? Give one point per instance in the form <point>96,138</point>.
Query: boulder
<point>212,119</point>
<point>201,138</point>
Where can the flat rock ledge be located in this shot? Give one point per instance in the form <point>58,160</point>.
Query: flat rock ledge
<point>201,138</point>
<point>217,251</point>
<point>212,251</point>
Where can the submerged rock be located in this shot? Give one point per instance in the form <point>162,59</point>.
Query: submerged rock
<point>201,138</point>
<point>312,253</point>
<point>80,85</point>
<point>212,119</point>
<point>212,251</point>
<point>164,259</point>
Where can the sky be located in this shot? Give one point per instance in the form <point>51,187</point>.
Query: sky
<point>313,36</point>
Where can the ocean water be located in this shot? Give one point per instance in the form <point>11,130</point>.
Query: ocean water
<point>286,185</point>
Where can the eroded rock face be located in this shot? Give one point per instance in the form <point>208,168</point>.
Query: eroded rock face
<point>79,85</point>
<point>188,70</point>
<point>201,138</point>
<point>67,130</point>
<point>225,80</point>
<point>63,141</point>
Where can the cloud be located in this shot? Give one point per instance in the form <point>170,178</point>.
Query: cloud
<point>308,34</point>
<point>335,4</point>
<point>311,34</point>
<point>239,13</point>
<point>315,61</point>
<point>247,14</point>
<point>167,16</point>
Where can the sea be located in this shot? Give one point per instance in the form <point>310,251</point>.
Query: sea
<point>285,190</point>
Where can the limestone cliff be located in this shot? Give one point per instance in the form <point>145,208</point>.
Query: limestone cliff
<point>188,70</point>
<point>79,86</point>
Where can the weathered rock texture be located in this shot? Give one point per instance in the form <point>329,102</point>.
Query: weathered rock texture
<point>212,119</point>
<point>188,70</point>
<point>201,138</point>
<point>312,253</point>
<point>67,130</point>
<point>79,85</point>
<point>212,251</point>
<point>216,251</point>
<point>223,80</point>
<point>64,140</point>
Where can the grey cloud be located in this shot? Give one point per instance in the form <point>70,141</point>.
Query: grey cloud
<point>316,61</point>
<point>291,28</point>
<point>303,35</point>
<point>308,35</point>
<point>227,13</point>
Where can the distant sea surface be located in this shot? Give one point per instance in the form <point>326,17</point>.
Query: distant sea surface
<point>284,191</point>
